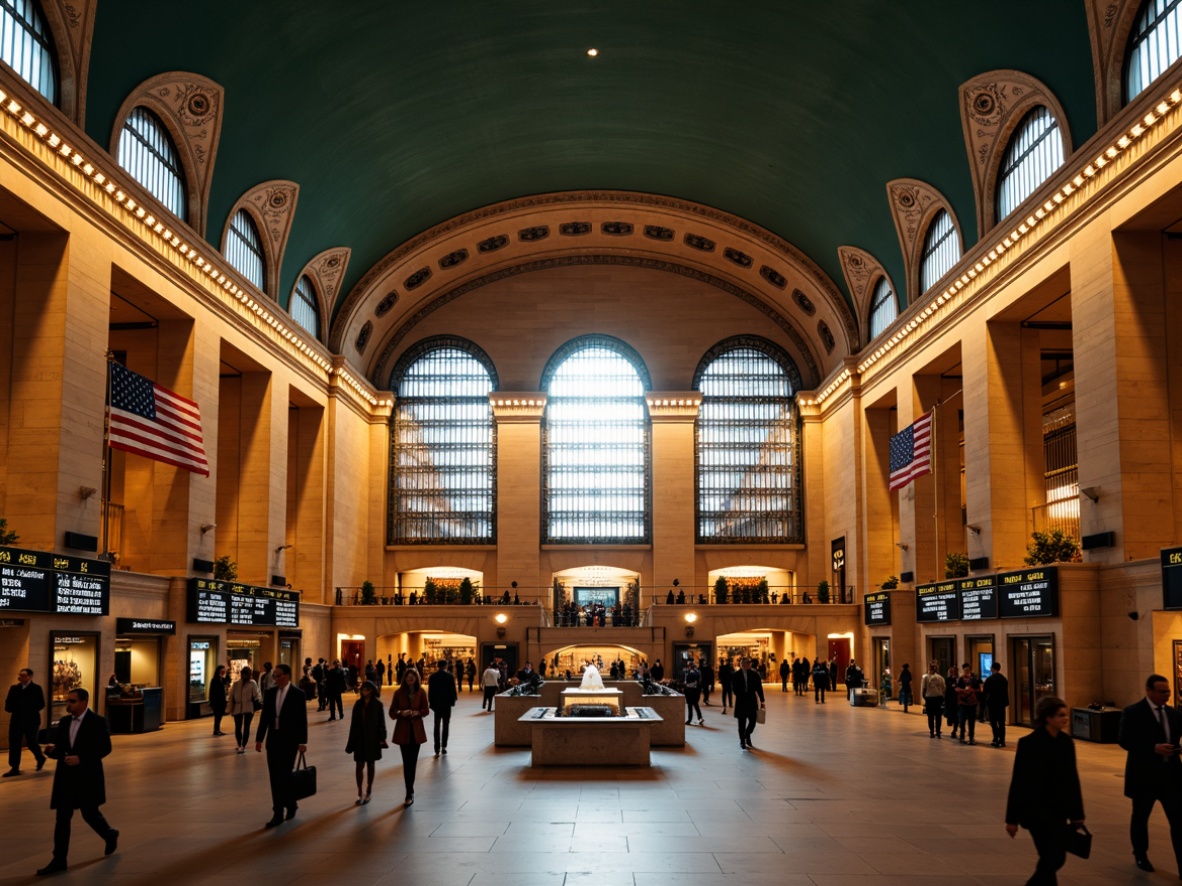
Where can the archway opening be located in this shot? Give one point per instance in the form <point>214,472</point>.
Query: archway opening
<point>440,585</point>
<point>601,596</point>
<point>751,583</point>
<point>569,662</point>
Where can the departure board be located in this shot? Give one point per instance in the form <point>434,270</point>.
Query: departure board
<point>38,581</point>
<point>937,602</point>
<point>1028,593</point>
<point>230,603</point>
<point>978,597</point>
<point>877,608</point>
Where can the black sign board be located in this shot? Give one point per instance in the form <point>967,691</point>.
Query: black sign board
<point>937,602</point>
<point>125,626</point>
<point>877,608</point>
<point>36,581</point>
<point>224,602</point>
<point>1171,578</point>
<point>978,597</point>
<point>1028,593</point>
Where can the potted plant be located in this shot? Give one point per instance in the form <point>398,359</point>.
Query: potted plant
<point>368,595</point>
<point>466,590</point>
<point>7,536</point>
<point>720,590</point>
<point>764,594</point>
<point>823,591</point>
<point>1046,548</point>
<point>429,591</point>
<point>956,564</point>
<point>892,582</point>
<point>225,569</point>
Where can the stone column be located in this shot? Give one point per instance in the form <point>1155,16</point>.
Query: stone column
<point>674,491</point>
<point>518,418</point>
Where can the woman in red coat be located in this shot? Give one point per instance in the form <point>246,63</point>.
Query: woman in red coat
<point>407,710</point>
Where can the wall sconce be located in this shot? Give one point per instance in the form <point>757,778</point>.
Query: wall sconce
<point>208,527</point>
<point>1092,492</point>
<point>282,548</point>
<point>691,617</point>
<point>86,492</point>
<point>900,546</point>
<point>500,618</point>
<point>976,530</point>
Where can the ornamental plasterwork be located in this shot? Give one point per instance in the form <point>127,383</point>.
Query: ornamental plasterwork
<point>1110,22</point>
<point>326,270</point>
<point>272,205</point>
<point>991,107</point>
<point>862,272</point>
<point>72,26</point>
<point>913,206</point>
<point>191,107</point>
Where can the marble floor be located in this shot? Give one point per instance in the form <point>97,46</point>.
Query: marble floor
<point>832,796</point>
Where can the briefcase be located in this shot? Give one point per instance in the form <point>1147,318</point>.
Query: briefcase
<point>760,715</point>
<point>303,780</point>
<point>1078,841</point>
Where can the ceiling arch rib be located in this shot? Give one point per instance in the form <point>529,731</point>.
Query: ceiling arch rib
<point>518,236</point>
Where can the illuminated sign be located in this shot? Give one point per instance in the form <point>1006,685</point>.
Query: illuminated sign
<point>937,602</point>
<point>877,608</point>
<point>224,602</point>
<point>36,581</point>
<point>1028,593</point>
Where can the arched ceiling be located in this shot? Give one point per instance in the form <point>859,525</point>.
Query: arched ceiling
<point>394,117</point>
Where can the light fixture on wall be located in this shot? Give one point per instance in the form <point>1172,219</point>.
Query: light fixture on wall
<point>208,527</point>
<point>282,548</point>
<point>976,530</point>
<point>500,618</point>
<point>86,492</point>
<point>1092,492</point>
<point>691,617</point>
<point>901,546</point>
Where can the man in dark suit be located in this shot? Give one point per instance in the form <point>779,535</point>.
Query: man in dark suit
<point>1150,730</point>
<point>25,702</point>
<point>748,692</point>
<point>81,741</point>
<point>283,725</point>
<point>441,696</point>
<point>336,680</point>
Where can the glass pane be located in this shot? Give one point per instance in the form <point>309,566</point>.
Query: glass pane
<point>146,151</point>
<point>27,47</point>
<point>244,249</point>
<point>304,306</point>
<point>941,250</point>
<point>1154,45</point>
<point>1034,152</point>
<point>883,308</point>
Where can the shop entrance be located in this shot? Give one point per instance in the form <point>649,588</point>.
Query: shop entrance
<point>1034,674</point>
<point>980,655</point>
<point>943,653</point>
<point>880,675</point>
<point>684,653</point>
<point>839,651</point>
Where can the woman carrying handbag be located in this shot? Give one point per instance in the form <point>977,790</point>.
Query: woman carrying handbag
<point>407,710</point>
<point>245,699</point>
<point>367,736</point>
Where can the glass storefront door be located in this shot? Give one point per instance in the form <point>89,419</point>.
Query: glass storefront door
<point>880,675</point>
<point>943,654</point>
<point>1034,674</point>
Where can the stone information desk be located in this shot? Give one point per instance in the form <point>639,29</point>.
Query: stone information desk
<point>590,741</point>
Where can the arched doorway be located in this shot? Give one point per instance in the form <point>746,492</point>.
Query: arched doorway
<point>601,595</point>
<point>574,658</point>
<point>427,647</point>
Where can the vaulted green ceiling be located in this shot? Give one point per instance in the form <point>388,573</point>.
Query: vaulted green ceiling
<point>394,116</point>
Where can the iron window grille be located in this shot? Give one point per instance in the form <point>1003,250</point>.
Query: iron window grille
<point>941,251</point>
<point>147,152</point>
<point>26,45</point>
<point>1154,44</point>
<point>305,307</point>
<point>883,308</point>
<point>244,249</point>
<point>1034,152</point>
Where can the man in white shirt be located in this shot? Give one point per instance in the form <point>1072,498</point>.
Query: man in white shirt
<point>490,680</point>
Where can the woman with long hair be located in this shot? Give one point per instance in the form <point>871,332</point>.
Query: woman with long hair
<point>245,699</point>
<point>407,710</point>
<point>367,736</point>
<point>1045,796</point>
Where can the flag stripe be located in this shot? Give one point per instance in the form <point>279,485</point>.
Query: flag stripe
<point>129,437</point>
<point>154,422</point>
<point>178,435</point>
<point>911,452</point>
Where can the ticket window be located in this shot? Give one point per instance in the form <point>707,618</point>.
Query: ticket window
<point>203,662</point>
<point>73,665</point>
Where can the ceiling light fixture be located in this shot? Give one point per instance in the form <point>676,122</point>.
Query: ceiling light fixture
<point>593,52</point>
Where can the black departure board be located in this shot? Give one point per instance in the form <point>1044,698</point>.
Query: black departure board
<point>1171,578</point>
<point>225,602</point>
<point>877,608</point>
<point>937,602</point>
<point>1028,593</point>
<point>37,581</point>
<point>978,597</point>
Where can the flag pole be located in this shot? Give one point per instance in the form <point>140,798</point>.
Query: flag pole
<point>105,502</point>
<point>933,454</point>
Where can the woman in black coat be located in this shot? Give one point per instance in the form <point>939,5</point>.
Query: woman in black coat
<point>951,702</point>
<point>219,685</point>
<point>367,736</point>
<point>1044,791</point>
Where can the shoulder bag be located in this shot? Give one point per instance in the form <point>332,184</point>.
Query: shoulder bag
<point>1078,841</point>
<point>303,780</point>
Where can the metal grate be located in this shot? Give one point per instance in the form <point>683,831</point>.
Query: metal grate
<point>596,449</point>
<point>244,249</point>
<point>941,250</point>
<point>746,450</point>
<point>883,308</point>
<point>443,450</point>
<point>1034,152</point>
<point>305,307</point>
<point>26,45</point>
<point>1154,45</point>
<point>148,153</point>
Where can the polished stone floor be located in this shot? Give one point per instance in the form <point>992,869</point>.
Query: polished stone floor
<point>832,796</point>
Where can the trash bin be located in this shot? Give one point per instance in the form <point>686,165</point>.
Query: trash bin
<point>1100,725</point>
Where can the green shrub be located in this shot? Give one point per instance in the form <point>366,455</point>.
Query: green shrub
<point>225,569</point>
<point>956,564</point>
<point>7,536</point>
<point>368,595</point>
<point>1051,547</point>
<point>720,590</point>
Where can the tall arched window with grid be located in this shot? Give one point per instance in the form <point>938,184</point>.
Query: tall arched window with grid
<point>244,249</point>
<point>1034,152</point>
<point>147,151</point>
<point>747,445</point>
<point>443,446</point>
<point>596,468</point>
<point>941,250</point>
<point>26,45</point>
<point>883,308</point>
<point>305,306</point>
<point>1155,43</point>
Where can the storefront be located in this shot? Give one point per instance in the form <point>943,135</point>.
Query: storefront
<point>244,649</point>
<point>74,658</point>
<point>203,662</point>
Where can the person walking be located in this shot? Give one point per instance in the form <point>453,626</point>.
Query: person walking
<point>367,736</point>
<point>968,694</point>
<point>747,688</point>
<point>707,681</point>
<point>997,699</point>
<point>407,710</point>
<point>380,672</point>
<point>490,680</point>
<point>853,679</point>
<point>1044,793</point>
<point>320,675</point>
<point>932,689</point>
<point>726,677</point>
<point>905,678</point>
<point>1150,732</point>
<point>820,682</point>
<point>335,682</point>
<point>441,697</point>
<point>692,681</point>
<point>267,677</point>
<point>951,705</point>
<point>82,740</point>
<point>219,685</point>
<point>246,697</point>
<point>283,726</point>
<point>24,704</point>
<point>806,671</point>
<point>470,673</point>
<point>785,672</point>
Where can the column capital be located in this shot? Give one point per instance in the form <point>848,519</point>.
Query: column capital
<point>673,406</point>
<point>521,407</point>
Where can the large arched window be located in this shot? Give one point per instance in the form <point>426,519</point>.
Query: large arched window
<point>443,446</point>
<point>1034,152</point>
<point>1154,44</point>
<point>305,307</point>
<point>941,250</point>
<point>883,308</point>
<point>746,450</point>
<point>596,444</point>
<point>244,249</point>
<point>146,150</point>
<point>26,45</point>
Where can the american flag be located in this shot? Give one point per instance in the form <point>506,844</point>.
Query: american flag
<point>911,452</point>
<point>152,421</point>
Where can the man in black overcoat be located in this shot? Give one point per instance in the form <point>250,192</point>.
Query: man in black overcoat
<point>283,725</point>
<point>81,741</point>
<point>441,696</point>
<point>748,692</point>
<point>25,702</point>
<point>1150,731</point>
